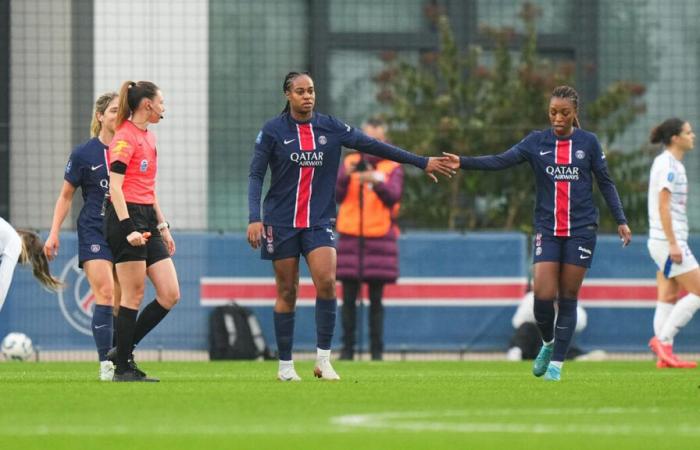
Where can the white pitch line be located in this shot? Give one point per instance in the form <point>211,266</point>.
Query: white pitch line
<point>417,421</point>
<point>158,430</point>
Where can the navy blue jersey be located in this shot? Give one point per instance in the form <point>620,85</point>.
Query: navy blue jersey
<point>303,158</point>
<point>563,175</point>
<point>87,169</point>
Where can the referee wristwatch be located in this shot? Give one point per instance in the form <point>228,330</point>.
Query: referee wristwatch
<point>162,226</point>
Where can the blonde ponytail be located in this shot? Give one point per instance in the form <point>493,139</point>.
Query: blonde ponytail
<point>100,107</point>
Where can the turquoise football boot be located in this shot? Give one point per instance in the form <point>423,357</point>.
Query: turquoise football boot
<point>553,373</point>
<point>542,360</point>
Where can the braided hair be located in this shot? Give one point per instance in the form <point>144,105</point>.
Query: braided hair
<point>287,85</point>
<point>570,94</point>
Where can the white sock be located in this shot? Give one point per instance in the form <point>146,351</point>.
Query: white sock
<point>557,364</point>
<point>286,364</point>
<point>323,354</point>
<point>548,344</point>
<point>679,317</point>
<point>663,310</point>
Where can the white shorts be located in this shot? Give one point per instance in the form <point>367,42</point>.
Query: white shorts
<point>659,253</point>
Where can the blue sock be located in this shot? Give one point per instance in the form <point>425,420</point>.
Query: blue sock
<point>325,322</point>
<point>544,317</point>
<point>284,332</point>
<point>102,327</point>
<point>565,327</point>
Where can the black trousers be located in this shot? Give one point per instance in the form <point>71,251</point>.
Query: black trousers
<point>376,318</point>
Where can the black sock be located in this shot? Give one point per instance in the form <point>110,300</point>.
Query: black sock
<point>126,322</point>
<point>151,316</point>
<point>544,317</point>
<point>564,331</point>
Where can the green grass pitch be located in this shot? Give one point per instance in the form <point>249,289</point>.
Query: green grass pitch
<point>386,405</point>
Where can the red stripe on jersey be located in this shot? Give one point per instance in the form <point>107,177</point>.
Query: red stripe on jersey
<point>563,152</point>
<point>302,209</point>
<point>562,208</point>
<point>562,191</point>
<point>306,137</point>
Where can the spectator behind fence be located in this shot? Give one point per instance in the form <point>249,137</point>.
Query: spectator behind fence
<point>367,247</point>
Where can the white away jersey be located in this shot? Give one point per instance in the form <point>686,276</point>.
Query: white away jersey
<point>10,248</point>
<point>668,173</point>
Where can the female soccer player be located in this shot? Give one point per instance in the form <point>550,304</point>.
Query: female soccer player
<point>668,240</point>
<point>303,148</point>
<point>24,247</point>
<point>88,170</point>
<point>135,227</point>
<point>563,158</point>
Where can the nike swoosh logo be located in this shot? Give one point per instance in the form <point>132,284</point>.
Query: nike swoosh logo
<point>100,326</point>
<point>96,167</point>
<point>584,256</point>
<point>288,141</point>
<point>544,153</point>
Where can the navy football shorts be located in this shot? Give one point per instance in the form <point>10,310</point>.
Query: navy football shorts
<point>288,242</point>
<point>92,245</point>
<point>576,250</point>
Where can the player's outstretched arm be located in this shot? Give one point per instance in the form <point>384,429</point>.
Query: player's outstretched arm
<point>509,158</point>
<point>439,164</point>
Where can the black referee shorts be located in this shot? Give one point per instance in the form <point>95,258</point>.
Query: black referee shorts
<point>144,218</point>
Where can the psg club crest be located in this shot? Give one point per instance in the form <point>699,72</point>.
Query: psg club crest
<point>77,301</point>
<point>580,154</point>
<point>94,248</point>
<point>322,140</point>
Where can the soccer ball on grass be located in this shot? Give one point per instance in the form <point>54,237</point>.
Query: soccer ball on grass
<point>16,347</point>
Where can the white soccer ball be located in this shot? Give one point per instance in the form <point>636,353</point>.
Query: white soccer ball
<point>17,347</point>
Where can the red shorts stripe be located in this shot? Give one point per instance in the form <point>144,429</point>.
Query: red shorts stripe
<point>302,209</point>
